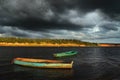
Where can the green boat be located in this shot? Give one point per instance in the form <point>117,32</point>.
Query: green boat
<point>64,54</point>
<point>66,65</point>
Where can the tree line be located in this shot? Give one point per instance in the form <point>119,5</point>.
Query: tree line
<point>53,41</point>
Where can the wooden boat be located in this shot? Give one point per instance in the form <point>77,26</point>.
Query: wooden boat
<point>63,54</point>
<point>38,60</point>
<point>43,64</point>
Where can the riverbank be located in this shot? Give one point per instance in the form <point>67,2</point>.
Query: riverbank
<point>56,45</point>
<point>43,44</point>
<point>13,41</point>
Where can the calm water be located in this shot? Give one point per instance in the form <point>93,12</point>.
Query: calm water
<point>89,64</point>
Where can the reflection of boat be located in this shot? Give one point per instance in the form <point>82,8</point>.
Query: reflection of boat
<point>68,53</point>
<point>43,64</point>
<point>50,74</point>
<point>38,60</point>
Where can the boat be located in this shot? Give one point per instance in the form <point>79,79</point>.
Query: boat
<point>66,65</point>
<point>63,54</point>
<point>37,60</point>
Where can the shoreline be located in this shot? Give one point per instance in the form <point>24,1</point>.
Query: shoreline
<point>54,45</point>
<point>42,45</point>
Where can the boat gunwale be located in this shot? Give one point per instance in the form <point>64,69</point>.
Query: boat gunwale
<point>38,60</point>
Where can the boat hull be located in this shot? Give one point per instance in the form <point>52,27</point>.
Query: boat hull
<point>65,54</point>
<point>43,65</point>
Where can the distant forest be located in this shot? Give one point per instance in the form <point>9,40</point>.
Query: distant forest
<point>40,41</point>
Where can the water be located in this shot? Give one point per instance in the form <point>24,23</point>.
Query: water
<point>91,63</point>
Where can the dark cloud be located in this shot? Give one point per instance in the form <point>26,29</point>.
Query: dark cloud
<point>109,26</point>
<point>108,6</point>
<point>37,24</point>
<point>56,18</point>
<point>34,15</point>
<point>44,14</point>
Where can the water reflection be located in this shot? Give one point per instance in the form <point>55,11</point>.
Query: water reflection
<point>45,74</point>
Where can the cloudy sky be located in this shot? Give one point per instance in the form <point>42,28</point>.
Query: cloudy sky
<point>86,20</point>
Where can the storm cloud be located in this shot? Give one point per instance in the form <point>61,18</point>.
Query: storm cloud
<point>88,20</point>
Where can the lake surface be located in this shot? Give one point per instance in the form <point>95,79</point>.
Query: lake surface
<point>91,63</point>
